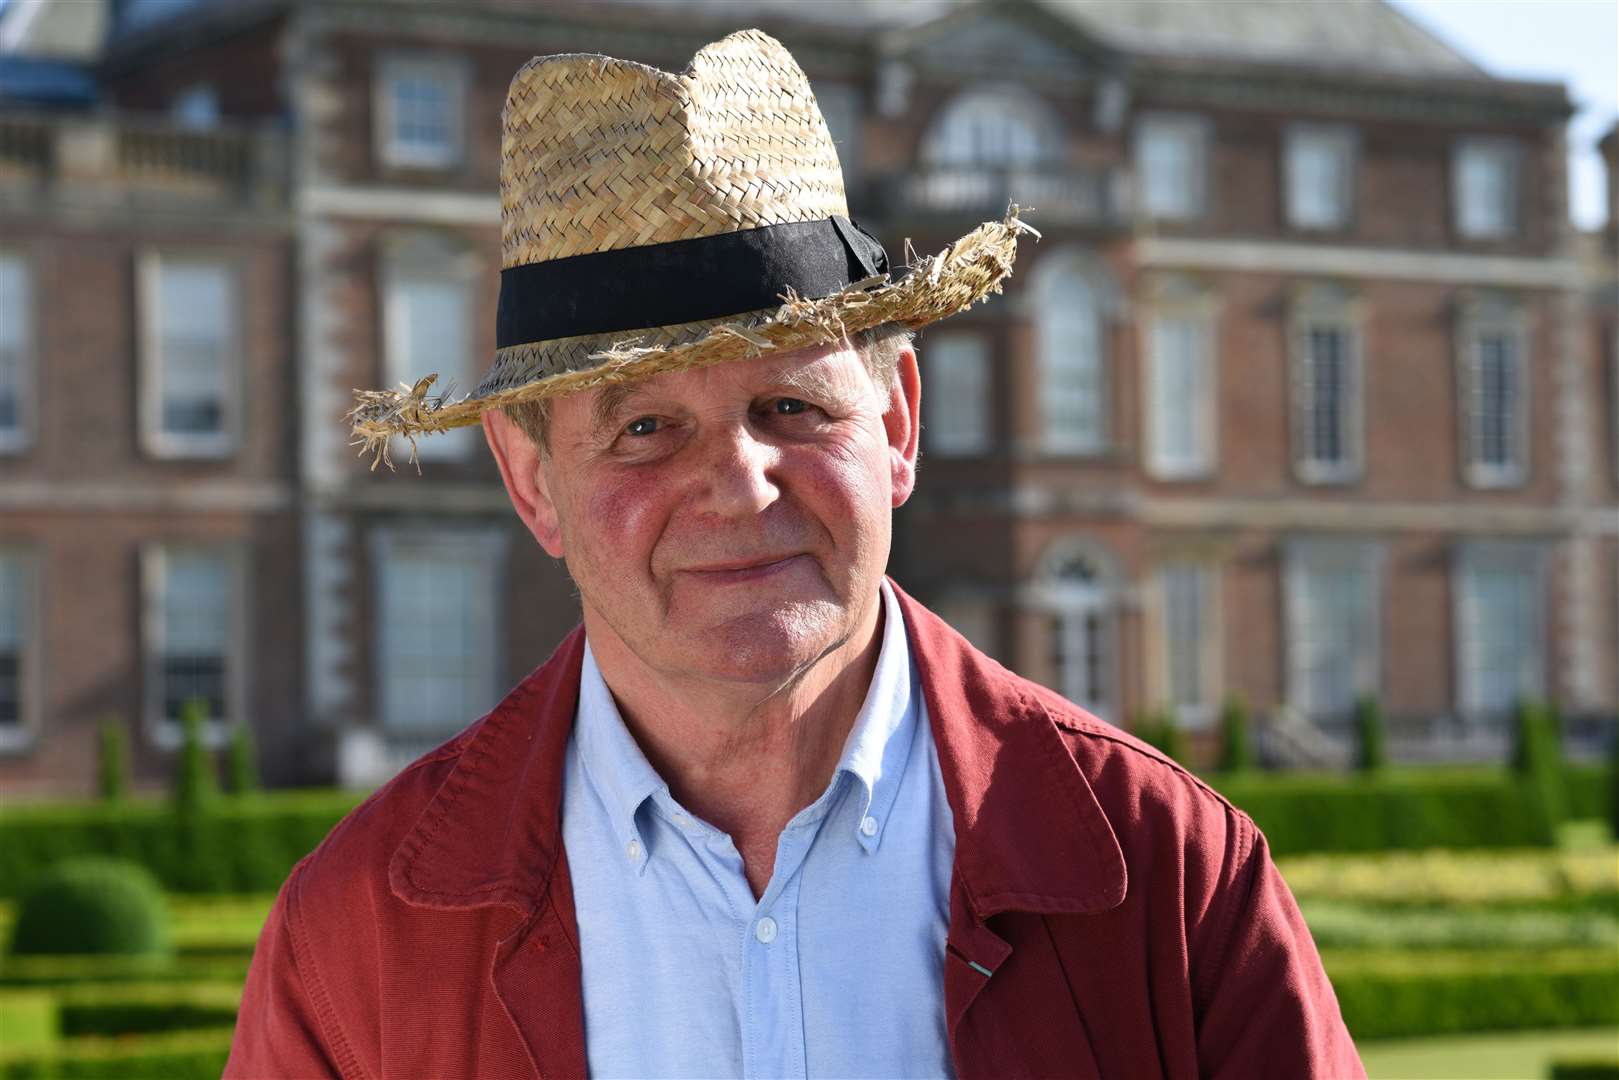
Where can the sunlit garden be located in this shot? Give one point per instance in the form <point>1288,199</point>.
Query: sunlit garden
<point>1468,916</point>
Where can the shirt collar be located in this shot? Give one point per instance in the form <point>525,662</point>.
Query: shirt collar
<point>875,752</point>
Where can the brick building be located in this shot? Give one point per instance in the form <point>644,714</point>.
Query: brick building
<point>1302,396</point>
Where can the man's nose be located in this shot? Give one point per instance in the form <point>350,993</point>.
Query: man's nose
<point>738,471</point>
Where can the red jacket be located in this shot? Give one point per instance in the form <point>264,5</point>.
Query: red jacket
<point>1110,914</point>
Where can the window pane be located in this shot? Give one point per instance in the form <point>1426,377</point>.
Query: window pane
<point>996,129</point>
<point>1327,395</point>
<point>424,101</point>
<point>957,398</point>
<point>12,607</point>
<point>438,636</point>
<point>1181,385</point>
<point>430,330</point>
<point>196,631</point>
<point>1185,612</point>
<point>1486,190</point>
<point>1332,636</point>
<point>14,335</point>
<point>1170,167</point>
<point>194,317</point>
<point>1500,638</point>
<point>1495,400</point>
<point>1318,178</point>
<point>1071,366</point>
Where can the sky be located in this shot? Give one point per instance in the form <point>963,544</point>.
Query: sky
<point>1575,42</point>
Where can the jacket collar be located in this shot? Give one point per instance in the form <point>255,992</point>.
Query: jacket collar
<point>1030,834</point>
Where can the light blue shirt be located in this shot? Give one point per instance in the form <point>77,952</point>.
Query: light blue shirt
<point>837,970</point>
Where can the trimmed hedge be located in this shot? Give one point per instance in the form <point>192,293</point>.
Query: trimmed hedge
<point>246,844</point>
<point>1605,1069</point>
<point>136,1009</point>
<point>57,971</point>
<point>92,905</point>
<point>1396,996</point>
<point>28,1018</point>
<point>190,1055</point>
<point>1392,810</point>
<point>1589,789</point>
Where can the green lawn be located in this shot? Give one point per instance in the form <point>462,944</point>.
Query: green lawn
<point>1526,1055</point>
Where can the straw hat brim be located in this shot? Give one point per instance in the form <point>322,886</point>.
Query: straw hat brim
<point>967,271</point>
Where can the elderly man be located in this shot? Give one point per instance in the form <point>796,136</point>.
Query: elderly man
<point>763,814</point>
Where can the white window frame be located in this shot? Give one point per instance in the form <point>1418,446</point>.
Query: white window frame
<point>1193,202</point>
<point>1509,153</point>
<point>959,402</point>
<point>31,662</point>
<point>178,444</point>
<point>1478,318</point>
<point>19,438</point>
<point>488,545</point>
<point>1342,143</point>
<point>1071,600</point>
<point>437,259</point>
<point>1200,714</point>
<point>1516,557</point>
<point>1177,300</point>
<point>454,72</point>
<point>162,732</point>
<point>1301,557</point>
<point>1054,437</point>
<point>1326,309</point>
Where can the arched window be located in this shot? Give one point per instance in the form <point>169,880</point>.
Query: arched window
<point>1075,583</point>
<point>1071,298</point>
<point>1003,127</point>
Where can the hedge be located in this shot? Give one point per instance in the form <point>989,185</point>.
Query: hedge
<point>246,844</point>
<point>190,1055</point>
<point>142,1009</point>
<point>1605,1069</point>
<point>1391,810</point>
<point>1396,996</point>
<point>55,971</point>
<point>1590,791</point>
<point>27,1018</point>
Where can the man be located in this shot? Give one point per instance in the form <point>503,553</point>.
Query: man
<point>763,815</point>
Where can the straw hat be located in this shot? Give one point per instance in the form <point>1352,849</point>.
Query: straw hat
<point>652,222</point>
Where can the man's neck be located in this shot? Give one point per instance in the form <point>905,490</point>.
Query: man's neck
<point>745,758</point>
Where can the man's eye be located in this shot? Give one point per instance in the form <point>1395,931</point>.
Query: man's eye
<point>789,406</point>
<point>646,425</point>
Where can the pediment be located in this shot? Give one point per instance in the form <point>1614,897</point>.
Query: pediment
<point>1011,36</point>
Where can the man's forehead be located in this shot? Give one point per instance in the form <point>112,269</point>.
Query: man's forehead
<point>822,367</point>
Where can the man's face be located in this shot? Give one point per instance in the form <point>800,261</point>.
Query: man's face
<point>731,522</point>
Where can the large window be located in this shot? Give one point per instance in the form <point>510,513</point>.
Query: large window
<point>1500,627</point>
<point>1171,162</point>
<point>195,628</point>
<point>18,648</point>
<point>16,353</point>
<point>421,105</point>
<point>1327,378</point>
<point>1333,593</point>
<point>1484,188</point>
<point>191,356</point>
<point>957,394</point>
<point>1071,347</point>
<point>1190,642</point>
<point>1320,168</point>
<point>427,314</point>
<point>438,659</point>
<point>1493,392</point>
<point>1075,584</point>
<point>995,127</point>
<point>1181,381</point>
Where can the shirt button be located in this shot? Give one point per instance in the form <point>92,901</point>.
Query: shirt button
<point>633,850</point>
<point>765,930</point>
<point>868,826</point>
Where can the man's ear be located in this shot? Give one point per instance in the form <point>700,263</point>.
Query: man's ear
<point>522,468</point>
<point>903,423</point>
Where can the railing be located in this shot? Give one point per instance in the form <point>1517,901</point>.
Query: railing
<point>109,156</point>
<point>1073,196</point>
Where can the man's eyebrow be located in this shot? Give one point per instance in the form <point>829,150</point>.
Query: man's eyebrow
<point>609,403</point>
<point>812,382</point>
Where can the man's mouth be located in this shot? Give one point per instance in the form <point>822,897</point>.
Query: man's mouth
<point>755,568</point>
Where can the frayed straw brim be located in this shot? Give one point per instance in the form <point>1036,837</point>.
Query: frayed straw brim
<point>967,271</point>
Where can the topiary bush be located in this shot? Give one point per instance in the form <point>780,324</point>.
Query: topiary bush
<point>1537,757</point>
<point>92,905</point>
<point>241,762</point>
<point>1371,753</point>
<point>1236,749</point>
<point>112,774</point>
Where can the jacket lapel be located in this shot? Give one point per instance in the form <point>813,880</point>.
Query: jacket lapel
<point>492,837</point>
<point>1031,841</point>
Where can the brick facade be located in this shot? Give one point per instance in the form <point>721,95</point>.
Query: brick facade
<point>1052,561</point>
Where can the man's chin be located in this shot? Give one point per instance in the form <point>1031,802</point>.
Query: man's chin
<point>767,647</point>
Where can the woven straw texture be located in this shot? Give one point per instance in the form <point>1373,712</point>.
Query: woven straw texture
<point>601,154</point>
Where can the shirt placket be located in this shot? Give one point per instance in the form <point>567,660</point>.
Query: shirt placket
<point>773,1022</point>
